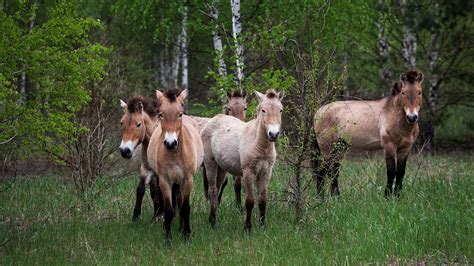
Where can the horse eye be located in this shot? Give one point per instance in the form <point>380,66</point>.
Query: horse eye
<point>160,115</point>
<point>181,115</point>
<point>419,93</point>
<point>245,109</point>
<point>281,111</point>
<point>139,124</point>
<point>263,111</point>
<point>403,93</point>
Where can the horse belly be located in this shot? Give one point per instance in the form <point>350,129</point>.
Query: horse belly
<point>226,154</point>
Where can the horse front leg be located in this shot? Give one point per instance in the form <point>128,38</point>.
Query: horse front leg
<point>156,197</point>
<point>402,156</point>
<point>262,189</point>
<point>169,210</point>
<point>249,201</point>
<point>139,199</point>
<point>390,156</point>
<point>185,210</point>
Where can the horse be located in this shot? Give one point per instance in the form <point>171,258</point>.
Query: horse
<point>236,106</point>
<point>138,122</point>
<point>175,153</point>
<point>243,149</point>
<point>389,124</point>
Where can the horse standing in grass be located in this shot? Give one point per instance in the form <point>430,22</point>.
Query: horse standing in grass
<point>138,122</point>
<point>243,149</point>
<point>175,153</point>
<point>389,124</point>
<point>236,107</point>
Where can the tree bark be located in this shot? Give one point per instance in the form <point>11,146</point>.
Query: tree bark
<point>184,50</point>
<point>236,30</point>
<point>222,69</point>
<point>385,74</point>
<point>409,38</point>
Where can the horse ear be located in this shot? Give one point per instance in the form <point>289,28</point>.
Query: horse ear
<point>403,78</point>
<point>123,105</point>
<point>229,94</point>
<point>419,78</point>
<point>259,95</point>
<point>244,94</point>
<point>281,95</point>
<point>183,95</point>
<point>159,94</point>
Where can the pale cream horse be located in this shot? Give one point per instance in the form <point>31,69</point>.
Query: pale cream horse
<point>175,153</point>
<point>243,149</point>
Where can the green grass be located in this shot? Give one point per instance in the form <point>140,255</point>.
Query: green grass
<point>42,222</point>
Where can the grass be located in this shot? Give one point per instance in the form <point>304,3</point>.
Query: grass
<point>42,222</point>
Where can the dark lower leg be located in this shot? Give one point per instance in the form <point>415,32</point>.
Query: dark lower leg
<point>262,204</point>
<point>169,214</point>
<point>401,166</point>
<point>205,182</point>
<point>184,216</point>
<point>138,201</point>
<point>222,190</point>
<point>157,199</point>
<point>174,194</point>
<point>391,170</point>
<point>334,180</point>
<point>237,190</point>
<point>249,206</point>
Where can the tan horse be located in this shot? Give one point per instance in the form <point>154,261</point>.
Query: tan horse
<point>389,124</point>
<point>138,122</point>
<point>236,107</point>
<point>175,153</point>
<point>243,149</point>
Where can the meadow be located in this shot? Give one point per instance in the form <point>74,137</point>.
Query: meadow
<point>43,222</point>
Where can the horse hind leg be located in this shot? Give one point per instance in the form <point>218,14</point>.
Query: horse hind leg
<point>221,182</point>
<point>221,191</point>
<point>318,166</point>
<point>139,199</point>
<point>237,190</point>
<point>211,174</point>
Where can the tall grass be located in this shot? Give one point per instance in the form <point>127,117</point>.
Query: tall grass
<point>42,222</point>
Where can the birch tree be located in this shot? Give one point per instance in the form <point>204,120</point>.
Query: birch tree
<point>214,14</point>
<point>433,56</point>
<point>385,74</point>
<point>236,30</point>
<point>409,38</point>
<point>184,50</point>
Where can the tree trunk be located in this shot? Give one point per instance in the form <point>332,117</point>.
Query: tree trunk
<point>385,74</point>
<point>433,60</point>
<point>409,38</point>
<point>236,29</point>
<point>222,70</point>
<point>184,57</point>
<point>175,63</point>
<point>163,69</point>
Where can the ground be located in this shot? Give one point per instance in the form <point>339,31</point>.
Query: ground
<point>43,222</point>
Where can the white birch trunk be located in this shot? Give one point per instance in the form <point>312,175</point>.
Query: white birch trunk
<point>409,39</point>
<point>236,30</point>
<point>184,50</point>
<point>175,63</point>
<point>222,69</point>
<point>433,57</point>
<point>163,69</point>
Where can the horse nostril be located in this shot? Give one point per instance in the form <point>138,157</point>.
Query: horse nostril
<point>273,135</point>
<point>125,152</point>
<point>412,118</point>
<point>171,145</point>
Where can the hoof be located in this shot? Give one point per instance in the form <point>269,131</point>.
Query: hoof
<point>135,219</point>
<point>248,228</point>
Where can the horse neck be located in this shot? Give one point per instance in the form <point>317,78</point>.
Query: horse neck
<point>262,144</point>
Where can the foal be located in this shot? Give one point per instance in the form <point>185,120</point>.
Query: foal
<point>389,124</point>
<point>175,153</point>
<point>138,123</point>
<point>243,149</point>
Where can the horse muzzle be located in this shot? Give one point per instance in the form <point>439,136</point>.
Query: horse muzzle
<point>273,136</point>
<point>171,145</point>
<point>125,152</point>
<point>412,118</point>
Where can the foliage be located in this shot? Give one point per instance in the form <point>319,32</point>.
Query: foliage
<point>47,62</point>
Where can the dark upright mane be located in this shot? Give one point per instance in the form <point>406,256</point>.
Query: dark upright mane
<point>412,76</point>
<point>172,94</point>
<point>271,94</point>
<point>150,105</point>
<point>237,93</point>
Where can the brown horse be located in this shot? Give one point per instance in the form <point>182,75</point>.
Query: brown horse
<point>389,124</point>
<point>175,153</point>
<point>138,122</point>
<point>236,107</point>
<point>243,149</point>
